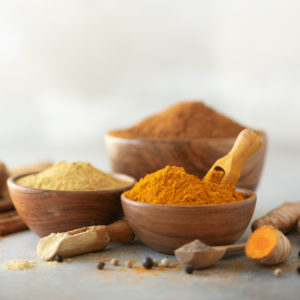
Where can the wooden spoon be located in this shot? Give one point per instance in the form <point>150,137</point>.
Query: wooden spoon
<point>83,240</point>
<point>201,255</point>
<point>229,166</point>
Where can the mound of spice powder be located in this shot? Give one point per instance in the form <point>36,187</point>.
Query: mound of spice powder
<point>184,120</point>
<point>75,176</point>
<point>172,185</point>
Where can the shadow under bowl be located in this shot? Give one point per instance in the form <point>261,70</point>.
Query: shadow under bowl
<point>48,211</point>
<point>138,157</point>
<point>165,228</point>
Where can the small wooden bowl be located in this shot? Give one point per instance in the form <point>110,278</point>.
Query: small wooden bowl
<point>47,211</point>
<point>165,228</point>
<point>139,157</point>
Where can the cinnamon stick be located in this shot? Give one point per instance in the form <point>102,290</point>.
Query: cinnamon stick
<point>11,222</point>
<point>6,204</point>
<point>3,178</point>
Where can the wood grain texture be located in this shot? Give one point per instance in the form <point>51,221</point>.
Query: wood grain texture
<point>6,204</point>
<point>3,177</point>
<point>11,222</point>
<point>165,228</point>
<point>139,157</point>
<point>46,211</point>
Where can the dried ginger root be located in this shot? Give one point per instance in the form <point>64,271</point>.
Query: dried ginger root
<point>268,246</point>
<point>283,217</point>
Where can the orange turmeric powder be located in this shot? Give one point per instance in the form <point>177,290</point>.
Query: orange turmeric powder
<point>216,176</point>
<point>172,185</point>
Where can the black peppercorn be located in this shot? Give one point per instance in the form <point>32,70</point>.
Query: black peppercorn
<point>189,269</point>
<point>299,253</point>
<point>101,265</point>
<point>148,263</point>
<point>58,258</point>
<point>298,270</point>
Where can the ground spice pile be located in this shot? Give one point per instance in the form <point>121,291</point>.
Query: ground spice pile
<point>184,120</point>
<point>20,264</point>
<point>172,185</point>
<point>75,176</point>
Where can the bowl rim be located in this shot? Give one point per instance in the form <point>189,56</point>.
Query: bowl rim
<point>252,198</point>
<point>108,134</point>
<point>11,182</point>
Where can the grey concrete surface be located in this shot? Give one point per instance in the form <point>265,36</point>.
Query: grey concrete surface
<point>232,278</point>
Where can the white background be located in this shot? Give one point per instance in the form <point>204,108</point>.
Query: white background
<point>72,69</point>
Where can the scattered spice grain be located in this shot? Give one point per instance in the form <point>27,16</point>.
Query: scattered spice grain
<point>148,263</point>
<point>189,269</point>
<point>20,264</point>
<point>278,272</point>
<point>155,263</point>
<point>58,258</point>
<point>164,262</point>
<point>115,262</point>
<point>101,265</point>
<point>299,253</point>
<point>298,270</point>
<point>173,264</point>
<point>129,264</point>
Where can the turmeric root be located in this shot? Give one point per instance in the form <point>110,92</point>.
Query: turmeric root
<point>283,218</point>
<point>268,246</point>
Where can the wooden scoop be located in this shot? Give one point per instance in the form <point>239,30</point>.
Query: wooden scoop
<point>228,168</point>
<point>83,240</point>
<point>202,256</point>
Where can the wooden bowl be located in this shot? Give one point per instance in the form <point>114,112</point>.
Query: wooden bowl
<point>47,211</point>
<point>139,157</point>
<point>164,228</point>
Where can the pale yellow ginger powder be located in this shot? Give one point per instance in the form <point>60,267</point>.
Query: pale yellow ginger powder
<point>20,264</point>
<point>75,176</point>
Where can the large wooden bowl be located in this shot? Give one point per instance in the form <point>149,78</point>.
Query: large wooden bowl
<point>47,211</point>
<point>139,157</point>
<point>164,228</point>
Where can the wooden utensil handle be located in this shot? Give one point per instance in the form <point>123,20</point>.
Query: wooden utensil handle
<point>246,144</point>
<point>120,232</point>
<point>233,248</point>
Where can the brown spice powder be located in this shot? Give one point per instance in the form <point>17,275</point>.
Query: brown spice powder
<point>184,120</point>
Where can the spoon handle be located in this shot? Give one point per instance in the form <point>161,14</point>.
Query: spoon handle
<point>120,232</point>
<point>233,248</point>
<point>246,144</point>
